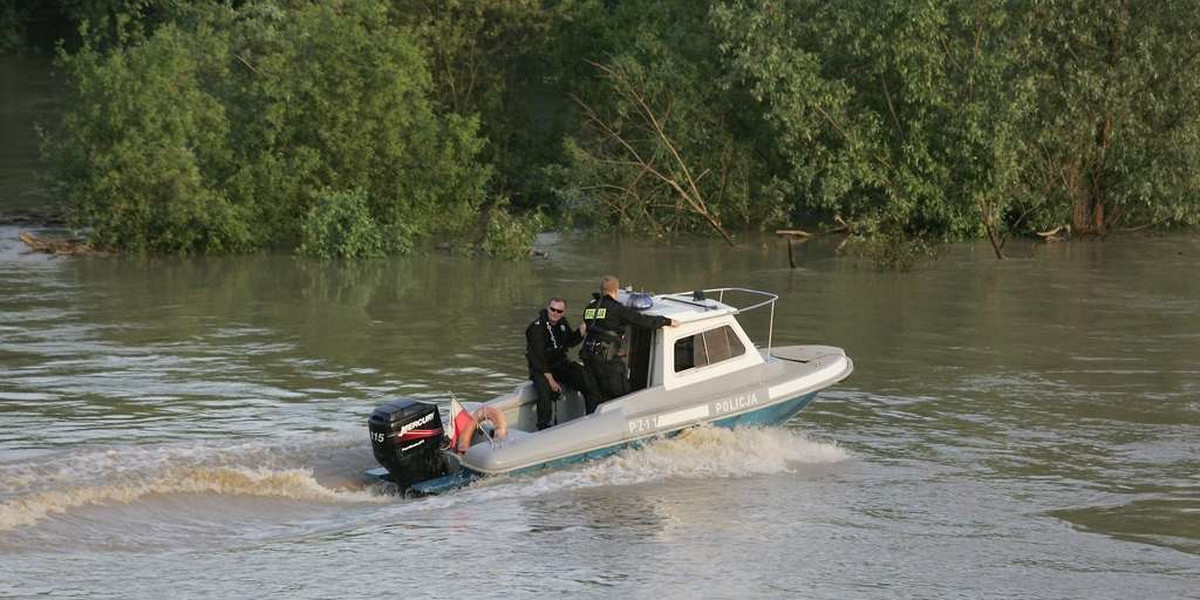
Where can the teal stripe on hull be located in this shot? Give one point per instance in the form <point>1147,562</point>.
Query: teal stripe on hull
<point>773,414</point>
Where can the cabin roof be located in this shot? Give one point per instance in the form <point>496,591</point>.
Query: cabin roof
<point>683,308</point>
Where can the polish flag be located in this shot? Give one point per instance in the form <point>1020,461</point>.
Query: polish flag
<point>460,422</point>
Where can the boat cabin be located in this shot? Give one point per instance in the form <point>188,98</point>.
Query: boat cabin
<point>708,343</point>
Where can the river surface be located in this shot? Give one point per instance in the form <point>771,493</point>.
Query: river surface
<point>195,427</point>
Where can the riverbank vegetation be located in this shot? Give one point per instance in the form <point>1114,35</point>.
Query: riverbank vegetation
<point>345,128</point>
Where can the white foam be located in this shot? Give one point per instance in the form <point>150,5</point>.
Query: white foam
<point>251,469</point>
<point>35,490</point>
<point>70,468</point>
<point>700,453</point>
<point>296,484</point>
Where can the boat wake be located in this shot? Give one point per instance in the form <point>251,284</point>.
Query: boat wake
<point>700,453</point>
<point>709,452</point>
<point>297,484</point>
<point>35,491</point>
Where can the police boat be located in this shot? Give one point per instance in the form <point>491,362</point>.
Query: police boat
<point>705,371</point>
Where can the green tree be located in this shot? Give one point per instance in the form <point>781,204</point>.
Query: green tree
<point>663,146</point>
<point>141,143</point>
<point>497,61</point>
<point>224,130</point>
<point>351,128</point>
<point>1114,131</point>
<point>950,120</point>
<point>896,115</point>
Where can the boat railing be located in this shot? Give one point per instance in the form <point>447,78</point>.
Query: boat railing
<point>767,299</point>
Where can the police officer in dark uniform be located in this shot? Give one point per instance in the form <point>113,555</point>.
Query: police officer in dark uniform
<point>547,340</point>
<point>603,352</point>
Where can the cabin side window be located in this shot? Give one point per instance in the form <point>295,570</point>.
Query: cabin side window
<point>707,348</point>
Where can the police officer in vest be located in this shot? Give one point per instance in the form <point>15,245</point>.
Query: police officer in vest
<point>603,351</point>
<point>546,342</point>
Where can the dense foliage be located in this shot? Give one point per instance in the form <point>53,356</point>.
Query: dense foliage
<point>951,120</point>
<point>232,129</point>
<point>353,128</point>
<point>662,145</point>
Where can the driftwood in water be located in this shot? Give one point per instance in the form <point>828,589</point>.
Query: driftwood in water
<point>59,247</point>
<point>842,226</point>
<point>793,235</point>
<point>1058,234</point>
<point>799,236</point>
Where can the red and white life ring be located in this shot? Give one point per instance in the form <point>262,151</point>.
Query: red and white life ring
<point>483,413</point>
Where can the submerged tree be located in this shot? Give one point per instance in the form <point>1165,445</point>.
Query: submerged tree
<point>662,145</point>
<point>894,116</point>
<point>496,61</point>
<point>1115,128</point>
<point>638,166</point>
<point>229,128</point>
<point>950,120</point>
<point>237,126</point>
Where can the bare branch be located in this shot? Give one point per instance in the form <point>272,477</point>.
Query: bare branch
<point>891,109</point>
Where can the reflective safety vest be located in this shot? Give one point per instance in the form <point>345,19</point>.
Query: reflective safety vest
<point>592,314</point>
<point>605,328</point>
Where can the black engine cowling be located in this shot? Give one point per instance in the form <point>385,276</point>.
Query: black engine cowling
<point>406,436</point>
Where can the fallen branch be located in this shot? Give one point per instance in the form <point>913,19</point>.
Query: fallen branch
<point>1138,227</point>
<point>66,247</point>
<point>792,233</point>
<point>842,226</point>
<point>687,191</point>
<point>246,63</point>
<point>1058,234</point>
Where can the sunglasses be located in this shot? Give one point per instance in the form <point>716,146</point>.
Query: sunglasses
<point>558,311</point>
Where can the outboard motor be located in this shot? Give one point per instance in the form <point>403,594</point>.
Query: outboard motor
<point>406,436</point>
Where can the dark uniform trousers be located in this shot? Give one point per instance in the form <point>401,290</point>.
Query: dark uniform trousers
<point>611,377</point>
<point>569,374</point>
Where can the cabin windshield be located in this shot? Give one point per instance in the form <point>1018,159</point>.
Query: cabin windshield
<point>707,348</point>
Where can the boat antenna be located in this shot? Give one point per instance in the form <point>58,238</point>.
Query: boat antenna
<point>771,329</point>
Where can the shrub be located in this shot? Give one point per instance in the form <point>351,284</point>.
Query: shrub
<point>340,225</point>
<point>510,236</point>
<point>226,128</point>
